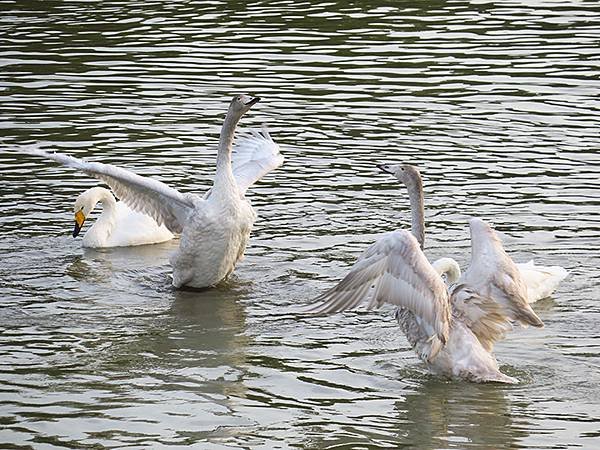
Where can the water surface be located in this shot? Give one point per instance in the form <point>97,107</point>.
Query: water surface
<point>496,102</point>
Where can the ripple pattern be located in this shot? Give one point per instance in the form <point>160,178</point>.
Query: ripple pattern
<point>497,102</point>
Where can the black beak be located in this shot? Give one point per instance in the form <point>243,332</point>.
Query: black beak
<point>254,101</point>
<point>77,229</point>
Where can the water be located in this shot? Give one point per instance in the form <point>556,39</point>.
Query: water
<point>496,102</point>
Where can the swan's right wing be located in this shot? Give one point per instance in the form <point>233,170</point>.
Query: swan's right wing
<point>253,157</point>
<point>491,294</point>
<point>394,270</point>
<point>152,197</point>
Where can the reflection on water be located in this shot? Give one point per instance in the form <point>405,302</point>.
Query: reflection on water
<point>497,102</point>
<point>459,415</point>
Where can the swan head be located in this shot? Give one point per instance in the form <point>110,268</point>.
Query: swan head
<point>241,104</point>
<point>81,209</point>
<point>84,204</point>
<point>405,173</point>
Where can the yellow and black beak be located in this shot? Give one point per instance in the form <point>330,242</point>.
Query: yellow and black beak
<point>79,219</point>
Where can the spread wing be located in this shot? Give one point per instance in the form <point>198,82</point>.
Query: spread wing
<point>394,270</point>
<point>253,157</point>
<point>491,294</point>
<point>152,197</point>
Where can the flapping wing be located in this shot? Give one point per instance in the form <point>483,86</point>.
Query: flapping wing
<point>253,157</point>
<point>152,197</point>
<point>394,270</point>
<point>491,294</point>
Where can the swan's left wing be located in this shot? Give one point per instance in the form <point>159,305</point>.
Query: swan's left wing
<point>149,196</point>
<point>394,270</point>
<point>253,157</point>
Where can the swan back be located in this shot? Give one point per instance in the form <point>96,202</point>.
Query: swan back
<point>541,281</point>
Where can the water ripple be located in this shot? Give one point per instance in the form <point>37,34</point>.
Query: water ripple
<point>496,102</point>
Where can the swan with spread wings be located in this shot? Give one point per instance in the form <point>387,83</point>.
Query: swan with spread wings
<point>452,329</point>
<point>214,228</point>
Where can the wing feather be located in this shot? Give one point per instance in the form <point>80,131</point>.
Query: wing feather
<point>253,157</point>
<point>393,270</point>
<point>146,195</point>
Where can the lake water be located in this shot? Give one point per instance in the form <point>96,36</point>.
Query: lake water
<point>498,103</point>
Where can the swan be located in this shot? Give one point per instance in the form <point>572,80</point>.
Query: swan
<point>214,228</point>
<point>541,281</point>
<point>118,225</point>
<point>452,329</point>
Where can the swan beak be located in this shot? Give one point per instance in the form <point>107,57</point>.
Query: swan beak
<point>79,219</point>
<point>383,168</point>
<point>254,101</point>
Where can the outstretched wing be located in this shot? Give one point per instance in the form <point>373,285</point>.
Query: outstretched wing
<point>491,294</point>
<point>394,270</point>
<point>152,197</point>
<point>253,157</point>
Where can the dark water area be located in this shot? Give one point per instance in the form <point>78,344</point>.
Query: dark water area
<point>498,103</point>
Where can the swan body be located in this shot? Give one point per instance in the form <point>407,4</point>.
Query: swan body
<point>213,240</point>
<point>118,225</point>
<point>452,329</point>
<point>541,281</point>
<point>463,357</point>
<point>215,227</point>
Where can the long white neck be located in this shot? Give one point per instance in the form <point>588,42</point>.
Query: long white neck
<point>224,180</point>
<point>104,225</point>
<point>449,268</point>
<point>417,211</point>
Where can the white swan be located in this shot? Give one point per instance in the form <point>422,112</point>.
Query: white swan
<point>118,225</point>
<point>214,228</point>
<point>541,281</point>
<point>453,331</point>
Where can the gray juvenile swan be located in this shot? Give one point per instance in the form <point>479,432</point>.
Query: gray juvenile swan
<point>541,281</point>
<point>452,330</point>
<point>215,227</point>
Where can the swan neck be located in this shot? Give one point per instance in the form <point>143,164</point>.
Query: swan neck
<point>417,210</point>
<point>224,177</point>
<point>103,226</point>
<point>449,268</point>
<point>109,208</point>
